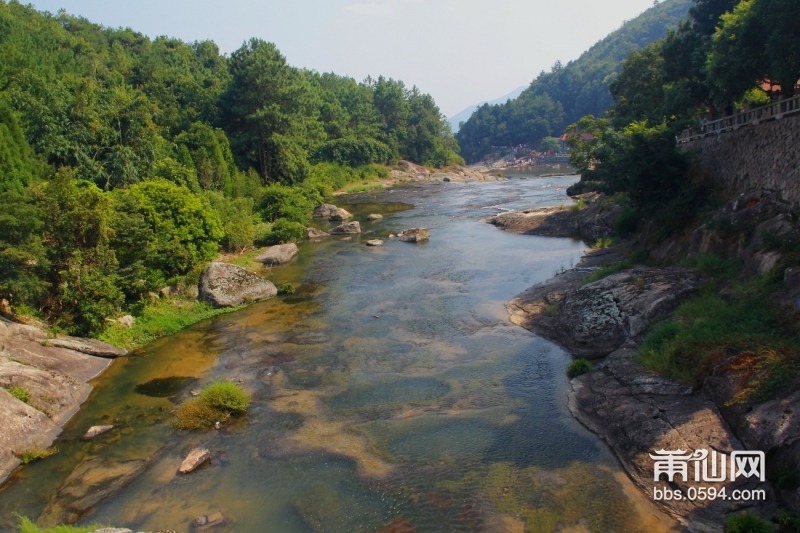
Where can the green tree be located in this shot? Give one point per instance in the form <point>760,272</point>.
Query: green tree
<point>271,113</point>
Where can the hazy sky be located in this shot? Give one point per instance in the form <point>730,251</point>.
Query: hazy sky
<point>460,51</point>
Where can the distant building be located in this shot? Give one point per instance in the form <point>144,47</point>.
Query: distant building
<point>562,141</point>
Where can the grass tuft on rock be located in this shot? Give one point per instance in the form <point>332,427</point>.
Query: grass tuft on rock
<point>20,393</point>
<point>216,403</point>
<point>27,526</point>
<point>34,454</point>
<point>747,523</point>
<point>578,367</point>
<point>605,271</point>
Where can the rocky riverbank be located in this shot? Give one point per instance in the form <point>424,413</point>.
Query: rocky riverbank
<point>457,174</point>
<point>43,382</point>
<point>637,412</point>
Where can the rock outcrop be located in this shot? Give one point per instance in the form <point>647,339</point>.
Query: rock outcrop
<point>55,380</point>
<point>226,285</point>
<point>556,221</point>
<point>87,346</point>
<point>351,228</point>
<point>455,174</point>
<point>278,254</point>
<point>414,235</point>
<point>595,319</point>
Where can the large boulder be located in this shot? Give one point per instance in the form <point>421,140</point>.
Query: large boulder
<point>413,168</point>
<point>556,221</point>
<point>331,212</point>
<point>226,285</point>
<point>278,255</point>
<point>346,229</point>
<point>414,235</point>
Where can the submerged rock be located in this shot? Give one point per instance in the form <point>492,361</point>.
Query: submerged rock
<point>94,431</point>
<point>112,530</point>
<point>226,285</point>
<point>210,520</point>
<point>374,242</point>
<point>414,235</point>
<point>278,255</point>
<point>194,460</point>
<point>374,216</point>
<point>345,229</point>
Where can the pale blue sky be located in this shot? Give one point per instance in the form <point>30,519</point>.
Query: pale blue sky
<point>460,51</point>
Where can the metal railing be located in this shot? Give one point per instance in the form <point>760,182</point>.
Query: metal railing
<point>772,111</point>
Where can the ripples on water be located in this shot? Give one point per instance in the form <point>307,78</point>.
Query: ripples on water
<point>390,393</point>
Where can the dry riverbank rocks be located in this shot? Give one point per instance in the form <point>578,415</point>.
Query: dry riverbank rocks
<point>351,228</point>
<point>53,376</point>
<point>194,460</point>
<point>414,235</point>
<point>278,255</point>
<point>331,212</point>
<point>226,285</point>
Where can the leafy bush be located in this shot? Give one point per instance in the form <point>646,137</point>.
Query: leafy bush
<point>627,222</point>
<point>226,397</point>
<point>283,231</point>
<point>578,367</point>
<point>747,523</point>
<point>20,393</point>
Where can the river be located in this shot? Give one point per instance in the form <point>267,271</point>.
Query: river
<point>390,393</point>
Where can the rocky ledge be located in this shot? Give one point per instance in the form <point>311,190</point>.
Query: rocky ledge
<point>455,174</point>
<point>637,412</point>
<point>52,371</point>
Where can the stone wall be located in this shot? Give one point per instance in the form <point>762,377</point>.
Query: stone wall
<point>761,156</point>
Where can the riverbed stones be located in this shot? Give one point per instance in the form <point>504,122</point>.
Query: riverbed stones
<point>112,530</point>
<point>340,215</point>
<point>346,229</point>
<point>314,233</point>
<point>194,460</point>
<point>201,523</point>
<point>226,285</point>
<point>278,254</point>
<point>414,235</point>
<point>374,216</point>
<point>374,242</point>
<point>87,346</point>
<point>94,431</point>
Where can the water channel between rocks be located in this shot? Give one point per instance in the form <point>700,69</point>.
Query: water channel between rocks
<point>390,394</point>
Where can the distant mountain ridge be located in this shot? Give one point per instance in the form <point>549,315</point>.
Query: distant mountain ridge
<point>560,97</point>
<point>464,115</point>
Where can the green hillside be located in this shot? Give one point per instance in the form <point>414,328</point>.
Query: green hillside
<point>566,93</point>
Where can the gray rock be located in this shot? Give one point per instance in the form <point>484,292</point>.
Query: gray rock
<point>87,346</point>
<point>556,221</point>
<point>226,285</point>
<point>346,229</point>
<point>325,211</point>
<point>413,168</point>
<point>278,255</point>
<point>95,431</point>
<point>597,221</point>
<point>374,216</point>
<point>414,235</point>
<point>314,233</point>
<point>340,215</point>
<point>112,530</point>
<point>374,242</point>
<point>194,460</point>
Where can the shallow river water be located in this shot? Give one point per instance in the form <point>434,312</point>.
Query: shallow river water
<point>390,393</point>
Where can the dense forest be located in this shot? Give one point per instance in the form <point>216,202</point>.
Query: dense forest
<point>566,93</point>
<point>716,61</point>
<point>127,162</point>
